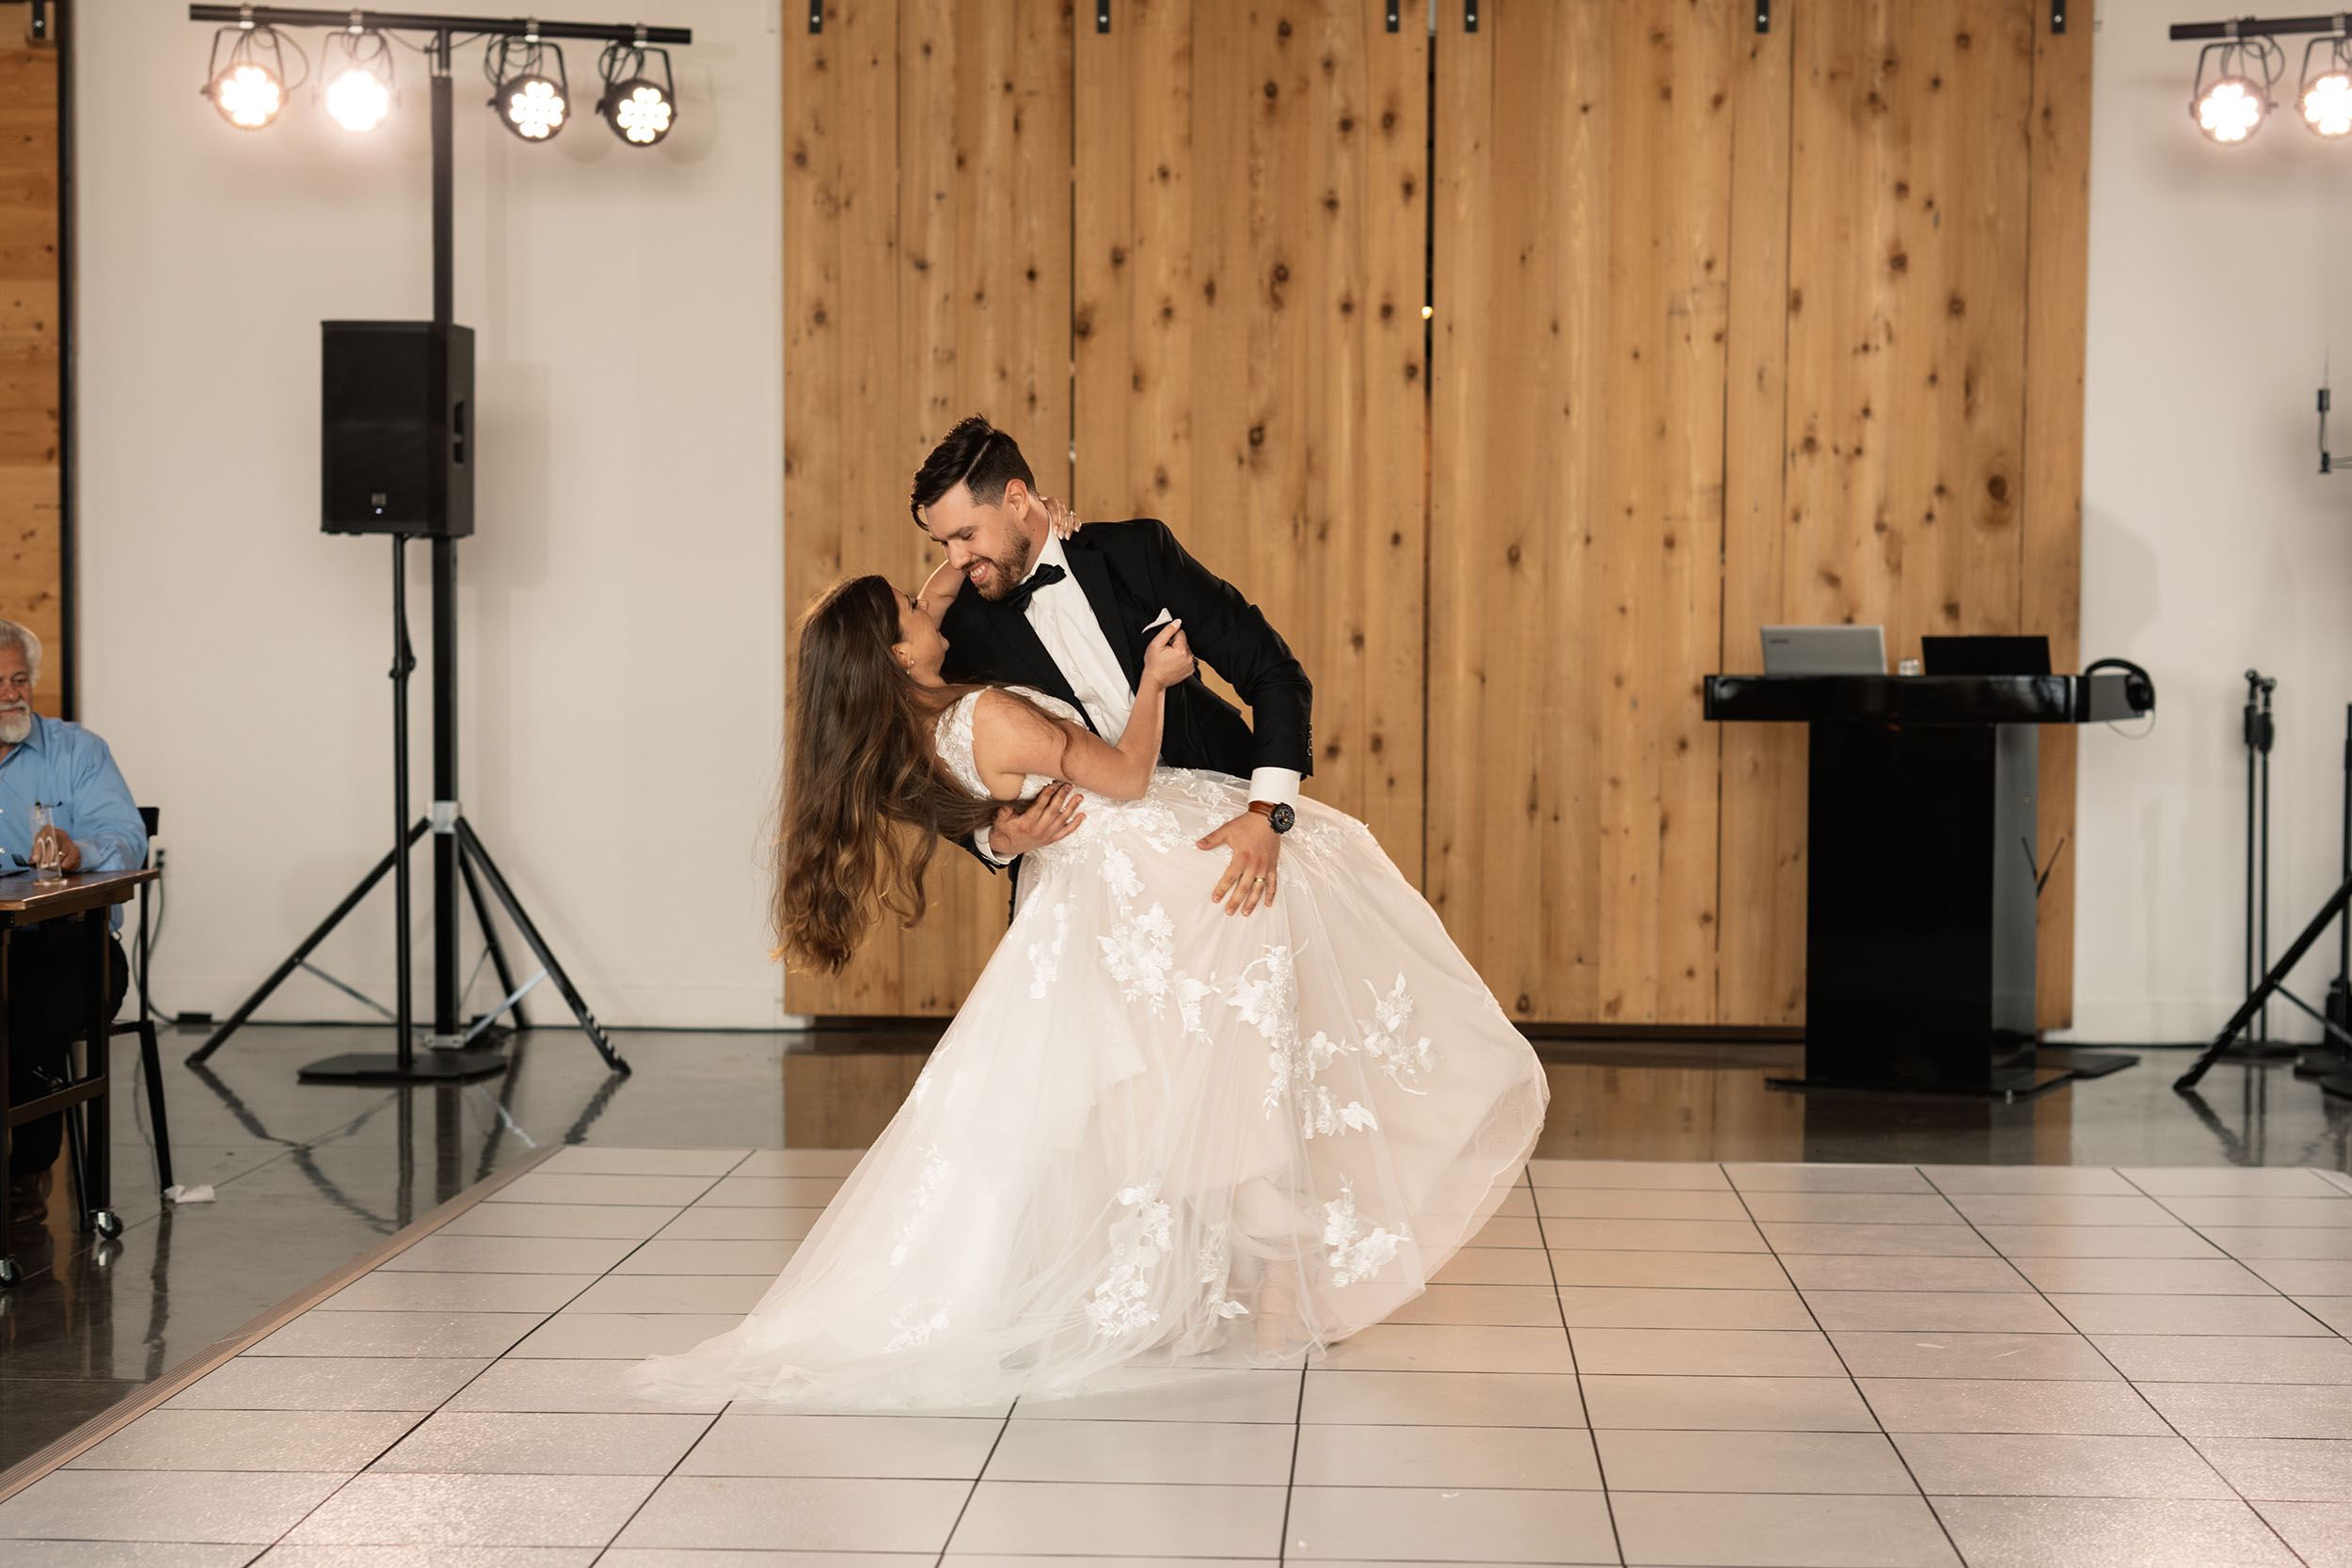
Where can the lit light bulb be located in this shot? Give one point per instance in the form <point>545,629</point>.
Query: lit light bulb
<point>2231,109</point>
<point>357,99</point>
<point>534,109</point>
<point>247,96</point>
<point>2328,104</point>
<point>643,116</point>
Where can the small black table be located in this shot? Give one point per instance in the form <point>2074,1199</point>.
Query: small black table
<point>1921,867</point>
<point>92,898</point>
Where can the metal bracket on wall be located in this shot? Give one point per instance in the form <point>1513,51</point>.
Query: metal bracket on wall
<point>1469,16</point>
<point>1763,16</point>
<point>37,25</point>
<point>1393,17</point>
<point>2058,16</point>
<point>1102,16</point>
<point>815,16</point>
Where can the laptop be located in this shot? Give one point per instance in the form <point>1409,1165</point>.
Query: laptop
<point>1825,650</point>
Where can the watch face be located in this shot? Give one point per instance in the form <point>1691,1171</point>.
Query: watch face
<point>1282,817</point>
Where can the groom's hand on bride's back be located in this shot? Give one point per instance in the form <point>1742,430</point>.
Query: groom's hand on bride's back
<point>1054,815</point>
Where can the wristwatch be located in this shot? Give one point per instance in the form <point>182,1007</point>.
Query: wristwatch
<point>1277,818</point>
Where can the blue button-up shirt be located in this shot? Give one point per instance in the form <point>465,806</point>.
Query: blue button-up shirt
<point>64,766</point>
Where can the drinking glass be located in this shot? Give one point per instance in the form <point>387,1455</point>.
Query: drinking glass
<point>48,859</point>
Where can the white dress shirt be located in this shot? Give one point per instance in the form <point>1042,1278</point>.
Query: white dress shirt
<point>1064,621</point>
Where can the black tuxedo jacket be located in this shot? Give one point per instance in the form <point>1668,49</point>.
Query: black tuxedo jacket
<point>1131,572</point>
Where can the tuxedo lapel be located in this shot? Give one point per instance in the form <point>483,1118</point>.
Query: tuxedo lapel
<point>1093,574</point>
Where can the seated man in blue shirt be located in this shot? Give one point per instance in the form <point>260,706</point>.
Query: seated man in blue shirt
<point>52,763</point>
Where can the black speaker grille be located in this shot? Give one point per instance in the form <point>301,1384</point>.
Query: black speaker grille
<point>394,458</point>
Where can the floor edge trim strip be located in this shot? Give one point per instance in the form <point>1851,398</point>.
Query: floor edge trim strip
<point>112,1420</point>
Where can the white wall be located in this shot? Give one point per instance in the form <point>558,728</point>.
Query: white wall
<point>2210,542</point>
<point>621,604</point>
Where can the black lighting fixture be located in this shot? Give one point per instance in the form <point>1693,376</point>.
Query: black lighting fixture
<point>245,79</point>
<point>359,39</point>
<point>2230,105</point>
<point>530,92</point>
<point>355,70</point>
<point>2230,101</point>
<point>2325,91</point>
<point>248,81</point>
<point>640,109</point>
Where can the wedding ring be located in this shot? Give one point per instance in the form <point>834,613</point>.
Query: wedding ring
<point>1257,882</point>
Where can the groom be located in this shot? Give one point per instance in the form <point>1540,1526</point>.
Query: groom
<point>1072,617</point>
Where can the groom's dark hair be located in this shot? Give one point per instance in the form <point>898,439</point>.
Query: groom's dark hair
<point>975,453</point>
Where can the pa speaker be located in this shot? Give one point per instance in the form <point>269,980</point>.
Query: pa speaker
<point>397,455</point>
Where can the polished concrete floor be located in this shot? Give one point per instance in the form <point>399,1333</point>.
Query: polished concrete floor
<point>311,1176</point>
<point>1728,1364</point>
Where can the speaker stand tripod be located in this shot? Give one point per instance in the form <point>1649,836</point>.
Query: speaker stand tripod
<point>2330,1061</point>
<point>457,851</point>
<point>454,1058</point>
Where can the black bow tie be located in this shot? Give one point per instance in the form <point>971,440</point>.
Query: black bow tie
<point>1044,576</point>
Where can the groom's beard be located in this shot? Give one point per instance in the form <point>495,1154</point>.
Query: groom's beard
<point>1006,572</point>
<point>16,722</point>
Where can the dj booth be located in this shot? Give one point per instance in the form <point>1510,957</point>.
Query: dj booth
<point>1922,865</point>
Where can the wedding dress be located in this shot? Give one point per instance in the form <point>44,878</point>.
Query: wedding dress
<point>1156,1135</point>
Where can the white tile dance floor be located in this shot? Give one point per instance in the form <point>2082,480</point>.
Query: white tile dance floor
<point>1643,1364</point>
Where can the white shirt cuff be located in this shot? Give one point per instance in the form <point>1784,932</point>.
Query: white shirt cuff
<point>1276,786</point>
<point>979,841</point>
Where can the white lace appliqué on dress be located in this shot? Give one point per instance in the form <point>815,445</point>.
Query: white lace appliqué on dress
<point>1271,1003</point>
<point>920,1204</point>
<point>916,1322</point>
<point>1217,1270</point>
<point>1139,952</point>
<point>1137,1242</point>
<point>1119,872</point>
<point>1355,1256</point>
<point>1045,959</point>
<point>1384,1039</point>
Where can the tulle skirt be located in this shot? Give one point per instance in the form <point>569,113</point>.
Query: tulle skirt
<point>1156,1135</point>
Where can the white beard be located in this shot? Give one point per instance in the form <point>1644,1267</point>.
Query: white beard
<point>15,725</point>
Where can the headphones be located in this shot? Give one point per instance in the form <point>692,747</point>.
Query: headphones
<point>2139,687</point>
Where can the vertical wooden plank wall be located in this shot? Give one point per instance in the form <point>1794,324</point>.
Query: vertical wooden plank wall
<point>1760,952</point>
<point>31,560</point>
<point>2057,306</point>
<point>926,276</point>
<point>1730,328</point>
<point>1250,230</point>
<point>1584,158</point>
<point>1917,359</point>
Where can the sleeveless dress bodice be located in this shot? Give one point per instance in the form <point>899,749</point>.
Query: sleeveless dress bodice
<point>953,738</point>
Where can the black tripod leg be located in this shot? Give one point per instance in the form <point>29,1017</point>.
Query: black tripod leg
<point>490,938</point>
<point>2271,982</point>
<point>294,960</point>
<point>472,851</point>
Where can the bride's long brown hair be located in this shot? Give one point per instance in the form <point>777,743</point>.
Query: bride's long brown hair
<point>866,799</point>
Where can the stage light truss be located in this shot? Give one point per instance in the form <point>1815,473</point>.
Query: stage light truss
<point>247,78</point>
<point>2242,62</point>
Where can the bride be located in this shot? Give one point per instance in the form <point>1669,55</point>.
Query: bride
<point>1155,1136</point>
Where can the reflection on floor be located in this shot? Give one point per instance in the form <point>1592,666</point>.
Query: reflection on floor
<point>311,1176</point>
<point>1637,1363</point>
